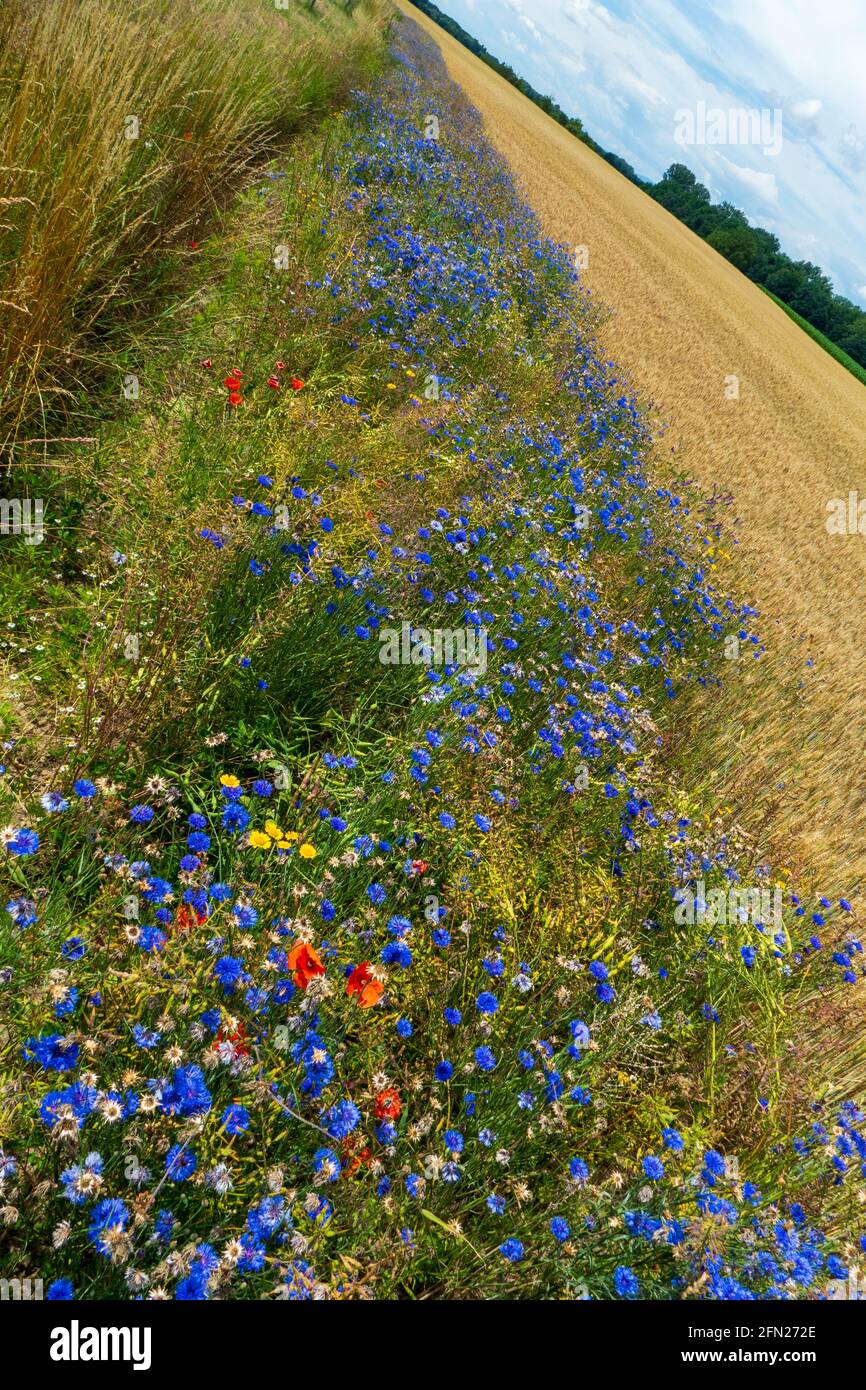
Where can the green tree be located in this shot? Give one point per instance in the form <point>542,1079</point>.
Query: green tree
<point>737,244</point>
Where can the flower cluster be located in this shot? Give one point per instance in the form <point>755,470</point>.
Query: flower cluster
<point>414,991</point>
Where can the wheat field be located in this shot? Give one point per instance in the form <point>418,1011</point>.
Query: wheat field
<point>682,322</point>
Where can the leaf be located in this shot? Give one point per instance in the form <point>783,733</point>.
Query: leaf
<point>457,1235</point>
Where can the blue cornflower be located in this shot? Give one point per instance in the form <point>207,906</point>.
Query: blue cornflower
<point>186,1093</point>
<point>625,1282</point>
<point>327,1163</point>
<point>714,1163</point>
<point>60,1291</point>
<point>180,1163</point>
<point>560,1229</point>
<point>111,1214</point>
<point>512,1250</point>
<point>235,818</point>
<point>235,1119</point>
<point>52,1052</point>
<point>396,953</point>
<point>341,1119</point>
<point>23,842</point>
<point>578,1170</point>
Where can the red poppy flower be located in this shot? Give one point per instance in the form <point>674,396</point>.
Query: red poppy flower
<point>186,917</point>
<point>353,1160</point>
<point>193,246</point>
<point>235,398</point>
<point>388,1105</point>
<point>297,384</point>
<point>273,382</point>
<point>362,982</point>
<point>280,366</point>
<point>206,363</point>
<point>305,963</point>
<point>420,866</point>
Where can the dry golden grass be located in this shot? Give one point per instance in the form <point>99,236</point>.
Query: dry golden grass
<point>83,206</point>
<point>682,321</point>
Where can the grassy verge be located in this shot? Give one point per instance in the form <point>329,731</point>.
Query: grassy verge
<point>122,127</point>
<point>361,940</point>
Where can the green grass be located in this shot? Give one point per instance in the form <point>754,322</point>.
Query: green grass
<point>124,128</point>
<point>237,673</point>
<point>817,336</point>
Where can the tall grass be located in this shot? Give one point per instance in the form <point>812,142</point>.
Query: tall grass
<point>121,125</point>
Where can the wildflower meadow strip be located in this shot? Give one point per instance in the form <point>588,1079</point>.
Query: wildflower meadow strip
<point>420,971</point>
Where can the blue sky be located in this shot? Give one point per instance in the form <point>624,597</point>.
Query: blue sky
<point>627,67</point>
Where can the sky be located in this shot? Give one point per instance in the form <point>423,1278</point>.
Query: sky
<point>630,69</point>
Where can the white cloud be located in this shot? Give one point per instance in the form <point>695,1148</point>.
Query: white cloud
<point>625,66</point>
<point>511,41</point>
<point>853,149</point>
<point>807,110</point>
<point>575,10</point>
<point>632,83</point>
<point>762,184</point>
